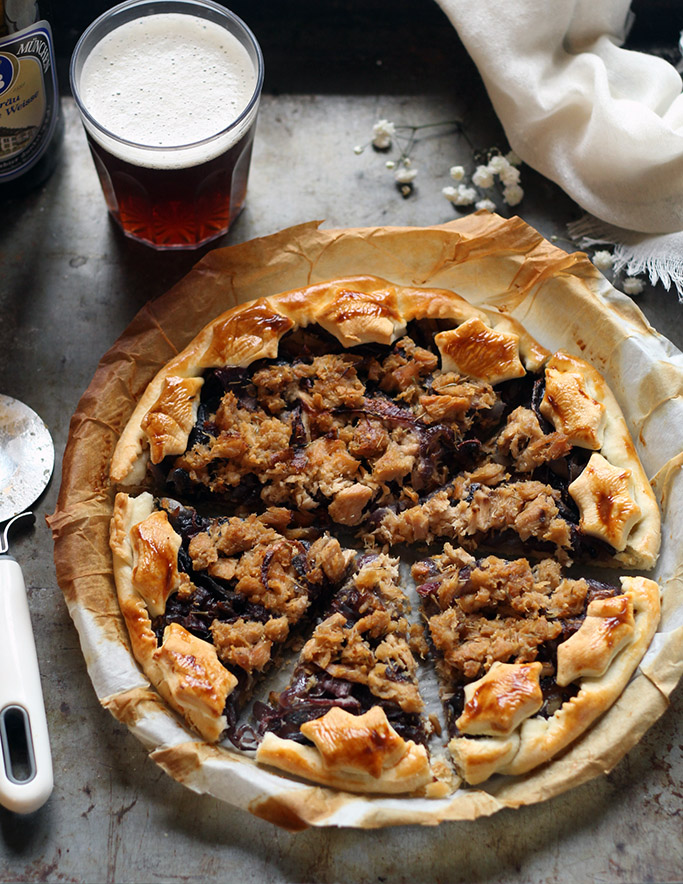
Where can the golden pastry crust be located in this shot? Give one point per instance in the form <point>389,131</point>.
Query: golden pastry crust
<point>187,671</point>
<point>168,422</point>
<point>357,753</point>
<point>606,500</point>
<point>476,350</point>
<point>184,669</point>
<point>608,627</point>
<point>539,739</point>
<point>571,409</point>
<point>155,575</point>
<point>639,536</point>
<point>498,703</point>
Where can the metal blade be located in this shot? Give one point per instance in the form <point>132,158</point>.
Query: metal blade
<point>27,457</point>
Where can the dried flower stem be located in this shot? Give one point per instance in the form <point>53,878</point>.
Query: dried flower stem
<point>409,142</point>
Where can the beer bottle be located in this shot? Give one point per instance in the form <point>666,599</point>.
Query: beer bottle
<point>31,122</point>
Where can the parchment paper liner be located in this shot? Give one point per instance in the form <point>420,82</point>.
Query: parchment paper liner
<point>561,299</point>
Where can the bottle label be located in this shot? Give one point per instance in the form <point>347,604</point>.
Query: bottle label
<point>29,102</point>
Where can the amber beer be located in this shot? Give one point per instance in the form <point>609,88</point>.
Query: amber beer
<point>168,92</point>
<point>175,208</point>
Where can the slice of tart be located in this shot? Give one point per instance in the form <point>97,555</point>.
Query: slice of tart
<point>209,601</point>
<point>351,716</point>
<point>557,477</point>
<point>527,657</point>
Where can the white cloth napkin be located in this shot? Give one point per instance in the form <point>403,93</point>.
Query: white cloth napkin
<point>604,123</point>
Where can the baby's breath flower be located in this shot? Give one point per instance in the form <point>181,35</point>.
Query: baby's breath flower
<point>633,286</point>
<point>513,194</point>
<point>382,133</point>
<point>467,195</point>
<point>405,176</point>
<point>509,175</point>
<point>470,188</point>
<point>460,195</point>
<point>483,177</point>
<point>497,163</point>
<point>603,260</point>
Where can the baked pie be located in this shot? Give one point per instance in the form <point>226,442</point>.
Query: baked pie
<point>274,473</point>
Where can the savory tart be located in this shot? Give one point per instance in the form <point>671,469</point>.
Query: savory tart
<point>391,418</point>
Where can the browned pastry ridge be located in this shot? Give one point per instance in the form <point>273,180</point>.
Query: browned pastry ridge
<point>393,416</point>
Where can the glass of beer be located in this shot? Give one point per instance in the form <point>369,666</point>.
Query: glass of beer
<point>168,92</point>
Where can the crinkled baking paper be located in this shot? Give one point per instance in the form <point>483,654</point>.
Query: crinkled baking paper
<point>561,299</point>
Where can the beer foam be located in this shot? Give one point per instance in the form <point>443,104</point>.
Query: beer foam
<point>167,80</point>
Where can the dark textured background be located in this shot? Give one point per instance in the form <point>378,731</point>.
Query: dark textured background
<point>372,46</point>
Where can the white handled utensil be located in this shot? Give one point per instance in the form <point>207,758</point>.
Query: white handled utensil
<point>26,463</point>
